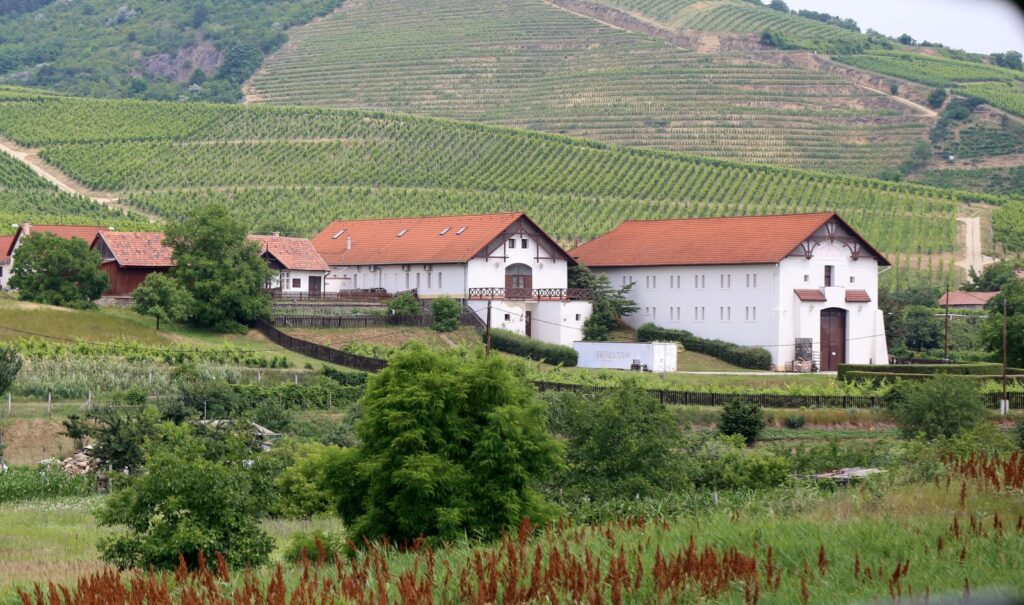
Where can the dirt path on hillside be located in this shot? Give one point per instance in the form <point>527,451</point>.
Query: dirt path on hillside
<point>973,257</point>
<point>62,181</point>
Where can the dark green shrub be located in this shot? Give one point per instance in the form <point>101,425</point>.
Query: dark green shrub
<point>405,304</point>
<point>983,368</point>
<point>754,358</point>
<point>449,446</point>
<point>446,311</point>
<point>721,462</point>
<point>523,346</point>
<point>1020,432</point>
<point>316,546</point>
<point>301,487</point>
<point>345,377</point>
<point>21,483</point>
<point>936,98</point>
<point>10,365</point>
<point>742,418</point>
<point>621,443</point>
<point>877,378</point>
<point>795,421</point>
<point>942,406</point>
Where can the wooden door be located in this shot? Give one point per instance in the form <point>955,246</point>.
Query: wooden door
<point>529,323</point>
<point>833,339</point>
<point>314,286</point>
<point>518,285</point>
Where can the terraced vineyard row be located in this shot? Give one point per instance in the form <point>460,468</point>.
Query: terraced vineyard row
<point>740,16</point>
<point>17,175</point>
<point>527,64</point>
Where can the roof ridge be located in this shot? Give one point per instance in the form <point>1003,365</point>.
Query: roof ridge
<point>722,218</point>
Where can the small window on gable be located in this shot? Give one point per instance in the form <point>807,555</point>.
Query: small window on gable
<point>512,243</point>
<point>507,317</point>
<point>807,278</point>
<point>829,275</point>
<point>524,243</point>
<point>577,317</point>
<point>853,279</point>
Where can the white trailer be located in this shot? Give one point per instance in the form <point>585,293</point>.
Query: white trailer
<point>647,356</point>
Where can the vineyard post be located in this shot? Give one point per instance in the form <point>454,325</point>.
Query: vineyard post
<point>1004,404</point>
<point>49,404</point>
<point>488,326</point>
<point>945,346</point>
<point>8,404</point>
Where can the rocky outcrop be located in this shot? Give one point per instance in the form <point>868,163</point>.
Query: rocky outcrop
<point>180,65</point>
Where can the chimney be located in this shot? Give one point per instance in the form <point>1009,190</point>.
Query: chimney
<point>26,228</point>
<point>276,234</point>
<point>348,243</point>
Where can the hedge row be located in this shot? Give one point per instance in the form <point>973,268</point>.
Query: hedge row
<point>510,342</point>
<point>754,358</point>
<point>879,377</point>
<point>326,394</point>
<point>975,369</point>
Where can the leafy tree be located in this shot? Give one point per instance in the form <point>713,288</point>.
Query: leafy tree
<point>941,406</point>
<point>992,278</point>
<point>446,311</point>
<point>10,365</point>
<point>56,271</point>
<point>1013,293</point>
<point>906,40</point>
<point>742,418</point>
<point>449,446</point>
<point>774,39</point>
<point>193,496</point>
<point>221,270</point>
<point>779,5</point>
<point>609,304</point>
<point>936,98</point>
<point>894,88</point>
<point>620,444</point>
<point>302,486</point>
<point>119,433</point>
<point>162,297</point>
<point>1010,59</point>
<point>923,330</point>
<point>404,304</point>
<point>76,429</point>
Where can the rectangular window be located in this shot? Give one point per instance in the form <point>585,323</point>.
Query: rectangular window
<point>439,286</point>
<point>507,317</point>
<point>355,281</point>
<point>751,313</point>
<point>296,283</point>
<point>725,280</point>
<point>698,282</point>
<point>698,314</point>
<point>725,313</point>
<point>853,279</point>
<point>807,278</point>
<point>829,270</point>
<point>417,281</point>
<point>751,280</point>
<point>524,244</point>
<point>623,281</point>
<point>511,243</point>
<point>430,280</point>
<point>654,312</point>
<point>577,317</point>
<point>406,281</point>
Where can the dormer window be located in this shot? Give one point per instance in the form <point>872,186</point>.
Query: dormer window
<point>460,231</point>
<point>403,232</point>
<point>339,234</point>
<point>445,230</point>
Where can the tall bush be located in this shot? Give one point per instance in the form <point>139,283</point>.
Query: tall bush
<point>56,271</point>
<point>446,311</point>
<point>10,365</point>
<point>942,406</point>
<point>449,446</point>
<point>742,418</point>
<point>404,304</point>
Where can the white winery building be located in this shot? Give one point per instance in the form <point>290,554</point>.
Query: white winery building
<point>802,286</point>
<point>502,260</point>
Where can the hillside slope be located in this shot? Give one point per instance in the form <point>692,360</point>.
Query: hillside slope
<point>530,64</point>
<point>294,169</point>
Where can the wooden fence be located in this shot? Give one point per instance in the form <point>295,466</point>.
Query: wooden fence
<point>318,351</point>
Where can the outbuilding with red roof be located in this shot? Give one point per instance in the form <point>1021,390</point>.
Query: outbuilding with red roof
<point>130,256</point>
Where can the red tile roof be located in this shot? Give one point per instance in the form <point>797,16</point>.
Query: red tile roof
<point>294,253</point>
<point>84,232</point>
<point>5,245</point>
<point>857,296</point>
<point>963,299</point>
<point>427,239</point>
<point>810,295</point>
<point>137,248</point>
<point>735,240</point>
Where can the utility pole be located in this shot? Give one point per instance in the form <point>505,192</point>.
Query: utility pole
<point>945,347</point>
<point>1004,404</point>
<point>488,326</point>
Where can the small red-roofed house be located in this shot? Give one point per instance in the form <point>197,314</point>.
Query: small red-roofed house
<point>298,267</point>
<point>785,283</point>
<point>966,301</point>
<point>5,260</point>
<point>130,256</point>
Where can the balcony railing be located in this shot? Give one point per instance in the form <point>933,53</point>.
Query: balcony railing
<point>540,294</point>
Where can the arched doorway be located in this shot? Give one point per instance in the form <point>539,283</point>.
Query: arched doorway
<point>518,281</point>
<point>833,339</point>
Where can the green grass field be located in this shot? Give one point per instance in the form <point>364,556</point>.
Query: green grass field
<point>529,64</point>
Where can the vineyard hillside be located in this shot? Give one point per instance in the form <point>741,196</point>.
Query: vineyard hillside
<point>293,169</point>
<point>532,64</point>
